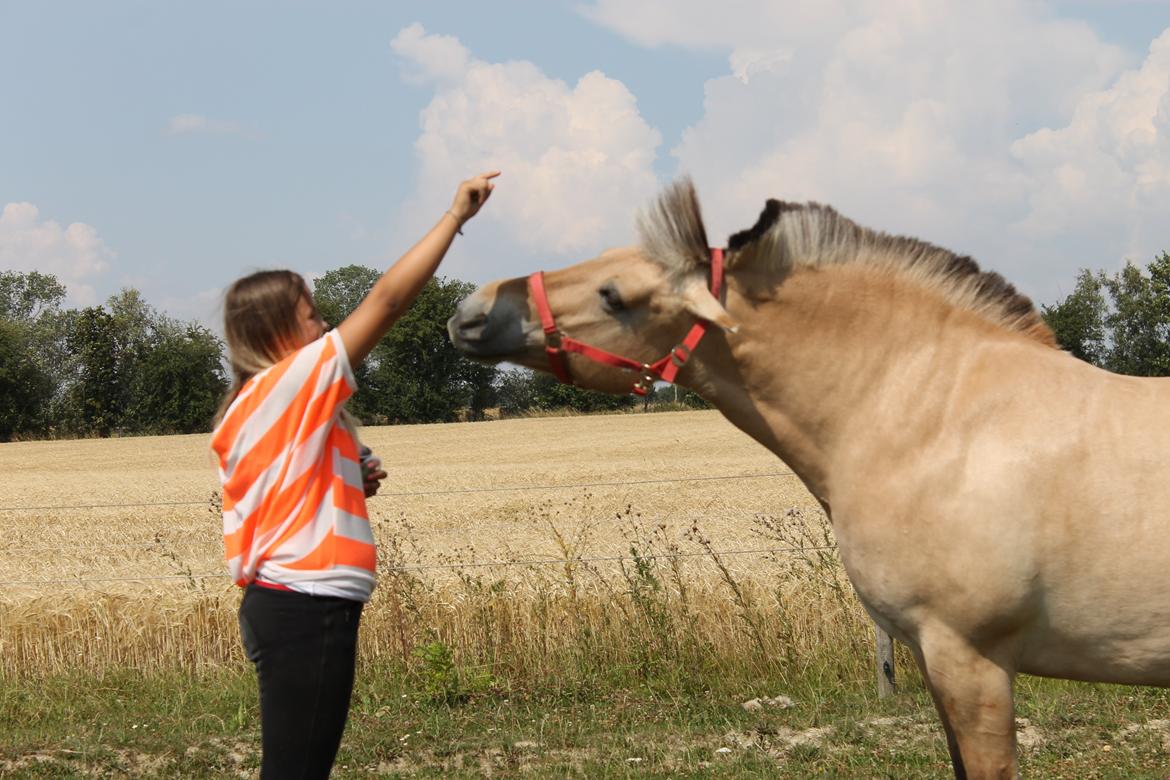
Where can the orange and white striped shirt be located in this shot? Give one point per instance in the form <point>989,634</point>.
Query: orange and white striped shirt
<point>294,508</point>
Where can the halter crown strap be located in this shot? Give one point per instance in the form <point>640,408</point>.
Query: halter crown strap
<point>557,344</point>
<point>680,354</point>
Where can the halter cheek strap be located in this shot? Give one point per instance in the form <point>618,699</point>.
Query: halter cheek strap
<point>553,340</point>
<point>557,344</point>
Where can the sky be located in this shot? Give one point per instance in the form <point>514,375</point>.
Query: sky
<point>173,147</point>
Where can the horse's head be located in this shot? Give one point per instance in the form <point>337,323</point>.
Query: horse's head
<point>636,302</point>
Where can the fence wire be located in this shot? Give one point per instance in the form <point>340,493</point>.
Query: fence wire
<point>451,566</point>
<point>452,492</point>
<point>161,545</point>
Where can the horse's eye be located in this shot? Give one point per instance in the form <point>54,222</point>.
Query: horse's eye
<point>610,298</point>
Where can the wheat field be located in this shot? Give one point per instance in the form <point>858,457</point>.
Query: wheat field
<point>527,544</point>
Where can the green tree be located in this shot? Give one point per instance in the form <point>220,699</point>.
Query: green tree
<point>135,326</point>
<point>24,297</point>
<point>413,374</point>
<point>25,388</point>
<point>338,292</point>
<point>1118,321</point>
<point>1139,323</point>
<point>416,374</point>
<point>122,367</point>
<point>1079,320</point>
<point>94,400</point>
<point>480,383</point>
<point>552,394</point>
<point>694,400</point>
<point>130,369</point>
<point>31,350</point>
<point>178,380</point>
<point>515,391</point>
<point>520,390</point>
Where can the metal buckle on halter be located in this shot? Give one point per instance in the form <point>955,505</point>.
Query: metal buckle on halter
<point>680,355</point>
<point>643,385</point>
<point>552,339</point>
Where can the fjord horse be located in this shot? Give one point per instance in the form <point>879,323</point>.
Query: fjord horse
<point>1000,506</point>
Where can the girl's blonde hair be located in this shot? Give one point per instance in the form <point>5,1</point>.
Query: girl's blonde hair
<point>259,321</point>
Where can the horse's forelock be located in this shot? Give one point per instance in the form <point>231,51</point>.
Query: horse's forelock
<point>672,231</point>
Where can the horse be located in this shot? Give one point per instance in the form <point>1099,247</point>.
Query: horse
<point>1000,506</point>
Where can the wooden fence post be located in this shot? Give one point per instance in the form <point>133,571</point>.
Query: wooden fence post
<point>885,662</point>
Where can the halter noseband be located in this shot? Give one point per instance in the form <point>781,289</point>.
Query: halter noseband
<point>557,344</point>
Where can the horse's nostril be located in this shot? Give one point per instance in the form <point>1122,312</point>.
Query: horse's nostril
<point>472,323</point>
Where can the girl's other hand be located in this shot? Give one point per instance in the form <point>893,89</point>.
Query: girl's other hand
<point>372,480</point>
<point>372,473</point>
<point>471,196</point>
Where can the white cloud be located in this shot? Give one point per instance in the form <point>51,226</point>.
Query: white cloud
<point>698,24</point>
<point>74,254</point>
<point>435,57</point>
<point>196,124</point>
<point>577,160</point>
<point>747,63</point>
<point>925,117</point>
<point>1109,167</point>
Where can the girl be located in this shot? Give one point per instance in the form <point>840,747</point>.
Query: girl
<point>296,533</point>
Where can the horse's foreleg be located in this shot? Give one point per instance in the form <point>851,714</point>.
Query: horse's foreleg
<point>973,694</point>
<point>952,743</point>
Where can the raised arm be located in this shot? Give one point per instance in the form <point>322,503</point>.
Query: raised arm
<point>392,295</point>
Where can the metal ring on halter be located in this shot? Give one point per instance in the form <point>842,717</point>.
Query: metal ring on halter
<point>680,355</point>
<point>648,379</point>
<point>553,339</point>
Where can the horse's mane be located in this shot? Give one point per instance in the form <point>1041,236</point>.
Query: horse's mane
<point>810,234</point>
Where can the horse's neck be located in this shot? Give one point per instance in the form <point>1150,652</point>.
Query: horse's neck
<point>836,359</point>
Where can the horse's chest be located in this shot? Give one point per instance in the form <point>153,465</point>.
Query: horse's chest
<point>906,571</point>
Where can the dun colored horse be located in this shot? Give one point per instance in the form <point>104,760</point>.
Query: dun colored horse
<point>1000,506</point>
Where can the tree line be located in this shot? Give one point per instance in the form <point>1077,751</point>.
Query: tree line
<point>118,368</point>
<point>123,368</point>
<point>1119,321</point>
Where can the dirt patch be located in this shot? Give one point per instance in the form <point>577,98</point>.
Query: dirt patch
<point>780,742</point>
<point>28,760</point>
<point>1160,728</point>
<point>488,762</point>
<point>901,731</point>
<point>1029,737</point>
<point>75,763</point>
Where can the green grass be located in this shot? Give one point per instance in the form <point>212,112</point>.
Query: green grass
<point>206,725</point>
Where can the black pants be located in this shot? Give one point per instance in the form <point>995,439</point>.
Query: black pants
<point>304,649</point>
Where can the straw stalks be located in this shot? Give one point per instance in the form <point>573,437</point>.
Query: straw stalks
<point>652,615</point>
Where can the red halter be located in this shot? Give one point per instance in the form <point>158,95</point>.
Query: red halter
<point>557,344</point>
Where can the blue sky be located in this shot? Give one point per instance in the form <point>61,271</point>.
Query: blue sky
<point>173,147</point>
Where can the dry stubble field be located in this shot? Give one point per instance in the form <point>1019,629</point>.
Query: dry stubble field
<point>82,518</point>
<point>429,465</point>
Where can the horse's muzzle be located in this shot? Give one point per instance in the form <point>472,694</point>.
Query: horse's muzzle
<point>487,329</point>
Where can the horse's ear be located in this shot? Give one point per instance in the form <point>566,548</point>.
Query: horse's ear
<point>700,302</point>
